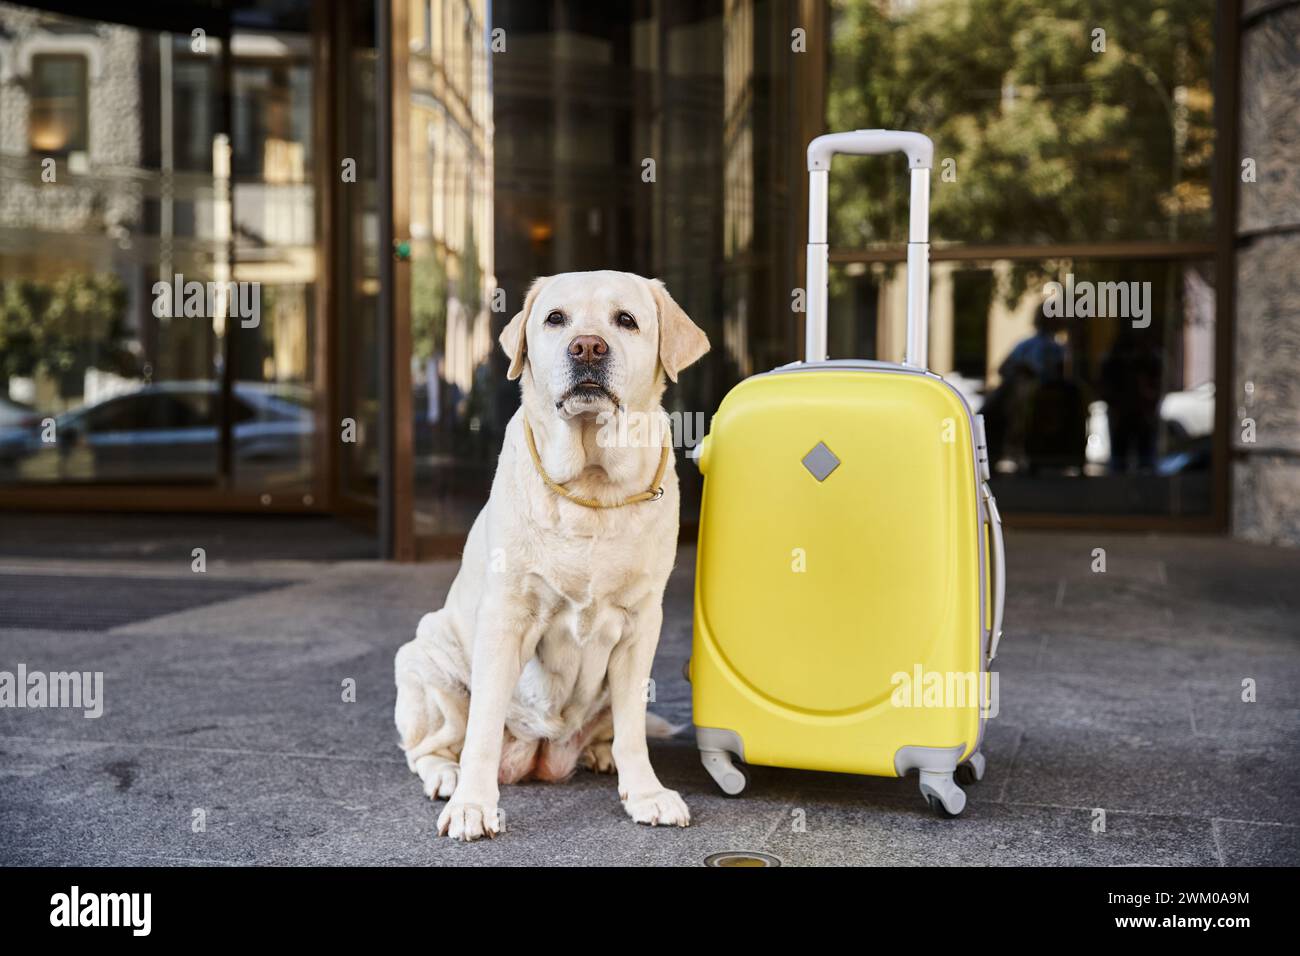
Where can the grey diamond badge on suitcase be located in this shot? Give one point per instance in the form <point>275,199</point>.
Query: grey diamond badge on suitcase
<point>821,461</point>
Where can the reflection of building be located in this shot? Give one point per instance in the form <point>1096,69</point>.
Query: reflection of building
<point>659,139</point>
<point>51,81</point>
<point>551,135</point>
<point>451,194</point>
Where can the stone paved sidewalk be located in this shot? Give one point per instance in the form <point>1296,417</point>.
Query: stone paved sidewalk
<point>1119,691</point>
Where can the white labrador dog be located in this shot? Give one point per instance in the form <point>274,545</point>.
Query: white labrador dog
<point>541,657</point>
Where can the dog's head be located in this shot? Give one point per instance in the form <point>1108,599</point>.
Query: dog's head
<point>596,341</point>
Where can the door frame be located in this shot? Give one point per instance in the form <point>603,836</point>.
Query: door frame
<point>397,447</point>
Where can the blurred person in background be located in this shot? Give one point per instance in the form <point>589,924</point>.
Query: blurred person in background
<point>1130,386</point>
<point>1036,416</point>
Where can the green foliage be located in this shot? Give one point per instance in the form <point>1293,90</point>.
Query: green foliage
<point>64,326</point>
<point>428,302</point>
<point>1053,142</point>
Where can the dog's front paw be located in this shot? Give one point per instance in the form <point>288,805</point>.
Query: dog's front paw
<point>659,808</point>
<point>469,821</point>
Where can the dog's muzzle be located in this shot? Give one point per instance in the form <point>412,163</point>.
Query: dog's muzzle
<point>588,371</point>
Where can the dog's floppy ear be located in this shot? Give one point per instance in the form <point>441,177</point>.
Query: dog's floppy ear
<point>681,341</point>
<point>513,340</point>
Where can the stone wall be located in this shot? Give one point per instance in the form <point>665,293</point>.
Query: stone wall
<point>1266,386</point>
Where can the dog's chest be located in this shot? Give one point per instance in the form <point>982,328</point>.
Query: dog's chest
<point>577,627</point>
<point>586,609</point>
<point>562,684</point>
<point>578,575</point>
<point>588,576</point>
<point>582,627</point>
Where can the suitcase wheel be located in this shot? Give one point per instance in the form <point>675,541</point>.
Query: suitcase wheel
<point>972,771</point>
<point>730,778</point>
<point>942,794</point>
<point>939,809</point>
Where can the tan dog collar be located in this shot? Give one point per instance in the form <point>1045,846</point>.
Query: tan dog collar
<point>654,493</point>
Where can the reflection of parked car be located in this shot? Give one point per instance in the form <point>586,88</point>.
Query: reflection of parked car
<point>1188,420</point>
<point>1098,434</point>
<point>16,422</point>
<point>1189,414</point>
<point>16,415</point>
<point>167,431</point>
<point>1188,417</point>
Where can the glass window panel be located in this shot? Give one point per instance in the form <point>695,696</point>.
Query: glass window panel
<point>275,261</point>
<point>112,309</point>
<point>457,411</point>
<point>122,386</point>
<point>542,172</point>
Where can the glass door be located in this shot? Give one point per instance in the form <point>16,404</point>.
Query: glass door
<point>160,324</point>
<point>114,224</point>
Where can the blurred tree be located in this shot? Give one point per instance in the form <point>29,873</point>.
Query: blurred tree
<point>1049,138</point>
<point>63,327</point>
<point>430,288</point>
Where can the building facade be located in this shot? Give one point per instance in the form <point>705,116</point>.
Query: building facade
<point>255,255</point>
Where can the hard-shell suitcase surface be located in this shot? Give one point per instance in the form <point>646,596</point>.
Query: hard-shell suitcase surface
<point>849,580</point>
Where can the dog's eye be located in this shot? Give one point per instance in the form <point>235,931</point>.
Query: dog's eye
<point>555,318</point>
<point>625,320</point>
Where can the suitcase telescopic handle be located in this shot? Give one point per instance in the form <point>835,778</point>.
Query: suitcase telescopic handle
<point>920,157</point>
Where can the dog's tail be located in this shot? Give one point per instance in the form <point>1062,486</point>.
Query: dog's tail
<point>656,726</point>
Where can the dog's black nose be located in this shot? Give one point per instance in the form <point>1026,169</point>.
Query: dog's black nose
<point>588,349</point>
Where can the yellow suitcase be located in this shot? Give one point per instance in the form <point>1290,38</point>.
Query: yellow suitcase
<point>850,574</point>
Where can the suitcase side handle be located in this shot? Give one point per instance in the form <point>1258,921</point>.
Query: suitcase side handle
<point>920,157</point>
<point>997,570</point>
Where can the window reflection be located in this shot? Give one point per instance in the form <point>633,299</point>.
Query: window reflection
<point>455,416</point>
<point>533,163</point>
<point>1049,138</point>
<point>120,177</point>
<point>541,167</point>
<point>57,119</point>
<point>274,236</point>
<point>1043,131</point>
